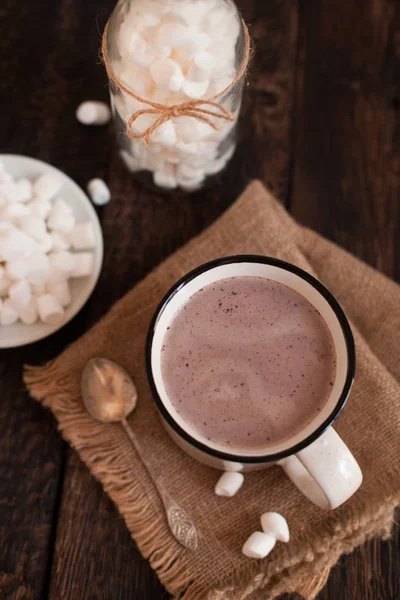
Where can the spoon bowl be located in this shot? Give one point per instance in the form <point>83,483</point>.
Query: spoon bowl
<point>108,392</point>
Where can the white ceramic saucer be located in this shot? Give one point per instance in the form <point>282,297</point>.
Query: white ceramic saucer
<point>81,289</point>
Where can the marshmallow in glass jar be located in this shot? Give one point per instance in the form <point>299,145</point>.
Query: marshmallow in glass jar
<point>176,71</point>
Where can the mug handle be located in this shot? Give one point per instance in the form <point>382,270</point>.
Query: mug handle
<point>326,472</point>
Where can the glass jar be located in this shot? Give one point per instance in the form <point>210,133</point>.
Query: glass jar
<point>168,53</point>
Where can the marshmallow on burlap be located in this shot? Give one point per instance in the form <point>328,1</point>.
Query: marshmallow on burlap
<point>255,224</point>
<point>258,545</point>
<point>229,484</point>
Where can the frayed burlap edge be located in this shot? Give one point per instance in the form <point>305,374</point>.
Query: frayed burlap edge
<point>56,390</point>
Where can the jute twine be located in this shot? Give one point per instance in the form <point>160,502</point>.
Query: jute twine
<point>191,108</point>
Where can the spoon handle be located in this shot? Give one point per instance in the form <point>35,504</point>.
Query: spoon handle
<point>180,524</point>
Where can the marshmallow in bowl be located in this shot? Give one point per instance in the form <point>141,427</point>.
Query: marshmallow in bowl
<point>39,244</point>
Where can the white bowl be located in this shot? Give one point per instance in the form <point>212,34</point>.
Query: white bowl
<point>22,166</point>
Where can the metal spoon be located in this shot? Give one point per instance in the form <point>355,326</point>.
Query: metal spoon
<point>110,395</point>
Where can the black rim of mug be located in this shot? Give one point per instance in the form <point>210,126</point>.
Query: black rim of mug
<point>343,322</point>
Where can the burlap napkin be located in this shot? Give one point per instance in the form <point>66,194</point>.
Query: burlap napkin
<point>370,424</point>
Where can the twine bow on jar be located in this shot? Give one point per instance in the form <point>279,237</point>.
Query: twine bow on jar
<point>191,108</point>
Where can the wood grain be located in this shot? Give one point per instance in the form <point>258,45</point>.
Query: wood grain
<point>346,183</point>
<point>346,179</point>
<point>334,155</point>
<point>95,556</point>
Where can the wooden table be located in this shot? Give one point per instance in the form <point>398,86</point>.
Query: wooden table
<point>320,126</point>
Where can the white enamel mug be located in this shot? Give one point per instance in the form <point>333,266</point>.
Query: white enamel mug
<point>316,459</point>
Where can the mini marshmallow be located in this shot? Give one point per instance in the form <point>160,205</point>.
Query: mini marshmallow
<point>173,35</point>
<point>62,261</point>
<point>9,191</point>
<point>203,64</point>
<point>189,171</point>
<point>216,17</point>
<point>258,545</point>
<point>99,192</point>
<point>38,267</point>
<point>82,236</point>
<point>17,269</point>
<point>62,206</point>
<point>20,294</point>
<point>165,178</point>
<point>25,190</point>
<point>191,130</point>
<point>193,12</point>
<point>61,217</point>
<point>38,289</point>
<point>9,315</point>
<point>29,314</point>
<point>166,134</point>
<point>34,227</point>
<point>195,89</point>
<point>190,177</point>
<point>5,284</point>
<point>13,212</point>
<point>229,484</point>
<point>164,71</point>
<point>93,113</point>
<point>46,244</point>
<point>176,82</point>
<point>140,51</point>
<point>15,243</point>
<point>179,55</point>
<point>62,292</point>
<point>274,524</point>
<point>138,79</point>
<point>60,241</point>
<point>198,42</point>
<point>39,208</point>
<point>151,19</point>
<point>49,309</point>
<point>191,149</point>
<point>83,264</point>
<point>47,186</point>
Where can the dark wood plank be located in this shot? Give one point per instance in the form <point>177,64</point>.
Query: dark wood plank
<point>44,75</point>
<point>30,470</point>
<point>346,183</point>
<point>37,119</point>
<point>95,556</point>
<point>140,229</point>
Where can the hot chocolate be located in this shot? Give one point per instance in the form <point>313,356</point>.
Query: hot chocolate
<point>248,362</point>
